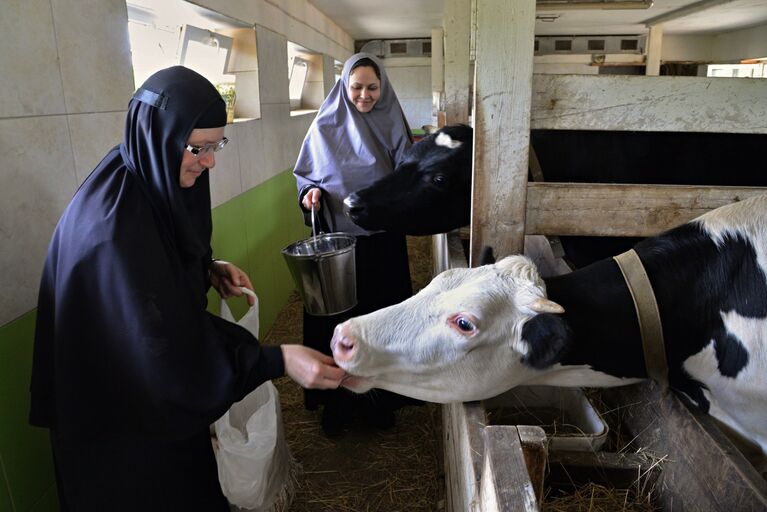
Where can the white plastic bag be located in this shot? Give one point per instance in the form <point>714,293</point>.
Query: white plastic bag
<point>249,320</point>
<point>255,468</point>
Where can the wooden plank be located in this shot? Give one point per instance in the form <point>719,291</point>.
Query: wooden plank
<point>464,449</point>
<point>501,101</point>
<point>569,469</point>
<point>505,485</point>
<point>457,22</point>
<point>536,454</point>
<point>654,45</point>
<point>702,470</point>
<point>663,103</point>
<point>621,210</point>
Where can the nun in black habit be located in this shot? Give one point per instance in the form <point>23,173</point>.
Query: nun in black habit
<point>129,368</point>
<point>360,134</point>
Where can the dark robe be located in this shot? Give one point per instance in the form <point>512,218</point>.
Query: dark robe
<point>129,368</point>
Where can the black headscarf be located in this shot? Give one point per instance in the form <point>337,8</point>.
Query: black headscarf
<point>123,341</point>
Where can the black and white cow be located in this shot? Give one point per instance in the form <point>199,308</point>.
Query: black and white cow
<point>474,333</point>
<point>430,192</point>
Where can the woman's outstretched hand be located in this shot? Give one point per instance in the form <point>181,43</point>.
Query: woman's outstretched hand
<point>310,368</point>
<point>226,278</point>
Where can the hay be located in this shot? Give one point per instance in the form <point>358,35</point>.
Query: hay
<point>598,498</point>
<point>365,470</point>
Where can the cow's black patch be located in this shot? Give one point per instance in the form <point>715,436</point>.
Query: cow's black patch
<point>731,355</point>
<point>696,280</point>
<point>549,338</point>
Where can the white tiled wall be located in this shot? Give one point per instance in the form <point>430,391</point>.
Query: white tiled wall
<point>38,182</point>
<point>66,77</point>
<point>30,77</point>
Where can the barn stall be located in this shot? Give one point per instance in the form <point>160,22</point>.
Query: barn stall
<point>677,457</point>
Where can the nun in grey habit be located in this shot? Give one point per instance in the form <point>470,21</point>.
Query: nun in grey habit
<point>346,150</point>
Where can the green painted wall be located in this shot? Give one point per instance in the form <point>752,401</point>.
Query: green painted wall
<point>248,230</point>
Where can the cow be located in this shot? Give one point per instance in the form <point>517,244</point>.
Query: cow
<point>474,333</point>
<point>430,191</point>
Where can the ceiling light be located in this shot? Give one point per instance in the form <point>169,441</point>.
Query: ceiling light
<point>562,5</point>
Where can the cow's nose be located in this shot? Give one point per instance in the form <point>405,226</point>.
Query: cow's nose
<point>352,204</point>
<point>343,344</point>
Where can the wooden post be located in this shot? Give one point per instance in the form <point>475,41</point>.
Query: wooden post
<point>502,96</point>
<point>505,485</point>
<point>654,44</point>
<point>437,61</point>
<point>457,27</point>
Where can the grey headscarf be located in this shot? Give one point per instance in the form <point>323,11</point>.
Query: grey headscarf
<point>346,150</point>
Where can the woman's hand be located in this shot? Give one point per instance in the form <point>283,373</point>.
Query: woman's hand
<point>312,198</point>
<point>227,279</point>
<point>311,368</point>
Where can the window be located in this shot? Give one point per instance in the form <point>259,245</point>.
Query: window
<point>298,71</point>
<point>206,52</point>
<point>563,45</point>
<point>397,48</point>
<point>629,44</point>
<point>338,67</point>
<point>596,44</point>
<point>758,70</point>
<point>166,33</point>
<point>305,79</point>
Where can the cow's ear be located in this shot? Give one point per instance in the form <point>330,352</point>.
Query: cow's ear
<point>548,338</point>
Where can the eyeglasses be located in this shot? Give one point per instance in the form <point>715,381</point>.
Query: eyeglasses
<point>199,151</point>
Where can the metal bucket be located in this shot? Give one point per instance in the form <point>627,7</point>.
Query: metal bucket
<point>323,269</point>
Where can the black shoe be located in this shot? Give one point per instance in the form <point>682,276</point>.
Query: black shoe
<point>332,422</point>
<point>381,418</point>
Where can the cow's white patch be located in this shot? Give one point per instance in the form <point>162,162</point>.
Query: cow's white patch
<point>738,402</point>
<point>746,219</point>
<point>443,139</point>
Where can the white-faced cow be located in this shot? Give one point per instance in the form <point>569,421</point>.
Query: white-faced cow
<point>430,190</point>
<point>474,333</point>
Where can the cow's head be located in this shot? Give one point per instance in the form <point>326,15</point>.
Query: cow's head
<point>469,335</point>
<point>428,193</point>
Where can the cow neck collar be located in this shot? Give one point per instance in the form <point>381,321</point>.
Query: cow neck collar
<point>648,316</point>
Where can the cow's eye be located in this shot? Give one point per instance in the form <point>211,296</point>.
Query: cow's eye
<point>464,323</point>
<point>439,179</point>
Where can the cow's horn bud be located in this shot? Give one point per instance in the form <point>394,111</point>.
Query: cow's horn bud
<point>542,305</point>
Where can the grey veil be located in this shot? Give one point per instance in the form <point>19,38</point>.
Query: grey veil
<point>346,150</point>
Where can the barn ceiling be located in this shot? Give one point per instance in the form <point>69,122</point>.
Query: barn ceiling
<point>394,19</point>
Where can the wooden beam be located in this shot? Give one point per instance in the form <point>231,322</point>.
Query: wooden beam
<point>462,425</point>
<point>648,104</point>
<point>701,469</point>
<point>437,62</point>
<point>457,25</point>
<point>502,88</point>
<point>621,210</point>
<point>505,485</point>
<point>654,46</point>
